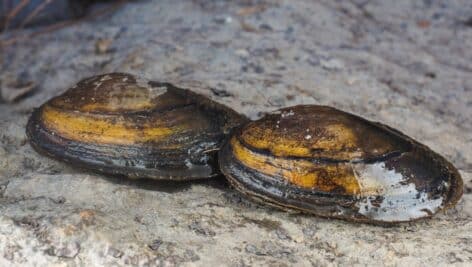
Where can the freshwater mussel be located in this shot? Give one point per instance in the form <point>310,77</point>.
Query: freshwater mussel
<point>314,159</point>
<point>320,160</point>
<point>121,124</point>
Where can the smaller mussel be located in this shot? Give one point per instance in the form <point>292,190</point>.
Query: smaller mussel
<point>327,162</point>
<point>120,124</point>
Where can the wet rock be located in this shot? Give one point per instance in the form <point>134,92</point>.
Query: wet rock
<point>200,230</point>
<point>332,64</point>
<point>155,244</point>
<point>116,253</point>
<point>64,250</point>
<point>282,234</point>
<point>220,92</point>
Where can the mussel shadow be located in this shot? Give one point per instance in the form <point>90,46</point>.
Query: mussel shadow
<point>166,186</point>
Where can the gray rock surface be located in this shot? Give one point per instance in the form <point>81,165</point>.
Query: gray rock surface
<point>404,63</point>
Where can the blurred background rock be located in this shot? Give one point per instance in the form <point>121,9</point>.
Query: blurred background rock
<point>25,13</point>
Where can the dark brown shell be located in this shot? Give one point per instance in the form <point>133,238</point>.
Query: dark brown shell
<point>118,123</point>
<point>324,161</point>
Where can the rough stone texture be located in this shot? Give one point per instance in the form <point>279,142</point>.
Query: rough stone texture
<point>405,63</point>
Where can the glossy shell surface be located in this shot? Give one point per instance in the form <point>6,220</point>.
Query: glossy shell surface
<point>121,124</point>
<point>330,163</point>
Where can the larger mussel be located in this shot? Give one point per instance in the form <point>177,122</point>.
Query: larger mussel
<point>121,124</point>
<point>327,162</point>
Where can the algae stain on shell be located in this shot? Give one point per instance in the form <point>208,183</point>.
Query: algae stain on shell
<point>331,163</point>
<point>122,124</point>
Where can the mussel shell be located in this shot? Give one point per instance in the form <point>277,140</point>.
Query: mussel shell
<point>327,162</point>
<point>121,124</point>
